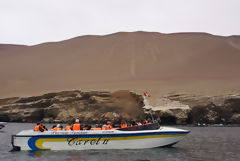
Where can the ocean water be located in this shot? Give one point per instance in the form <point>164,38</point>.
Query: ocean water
<point>202,144</point>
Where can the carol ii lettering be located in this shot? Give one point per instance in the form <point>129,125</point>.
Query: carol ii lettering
<point>80,141</point>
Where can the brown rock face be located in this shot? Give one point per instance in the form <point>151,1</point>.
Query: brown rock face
<point>98,107</point>
<point>194,109</point>
<point>89,107</point>
<point>224,109</point>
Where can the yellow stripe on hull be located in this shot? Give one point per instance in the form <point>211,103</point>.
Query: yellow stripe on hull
<point>39,142</point>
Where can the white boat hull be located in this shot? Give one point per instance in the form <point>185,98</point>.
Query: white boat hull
<point>103,139</point>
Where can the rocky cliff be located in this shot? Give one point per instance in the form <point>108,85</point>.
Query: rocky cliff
<point>97,107</point>
<point>196,109</point>
<point>89,107</point>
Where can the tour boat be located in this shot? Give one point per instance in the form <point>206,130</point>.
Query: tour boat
<point>136,137</point>
<point>2,124</point>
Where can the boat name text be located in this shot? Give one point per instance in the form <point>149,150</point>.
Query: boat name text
<point>79,141</point>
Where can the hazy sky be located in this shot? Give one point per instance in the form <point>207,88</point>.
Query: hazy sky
<point>36,21</point>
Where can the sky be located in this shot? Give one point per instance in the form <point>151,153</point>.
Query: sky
<point>31,22</point>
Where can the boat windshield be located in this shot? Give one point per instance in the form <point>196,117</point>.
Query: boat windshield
<point>152,126</point>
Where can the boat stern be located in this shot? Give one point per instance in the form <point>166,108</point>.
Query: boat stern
<point>14,147</point>
<point>20,140</point>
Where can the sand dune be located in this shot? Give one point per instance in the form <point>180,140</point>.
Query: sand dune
<point>137,61</point>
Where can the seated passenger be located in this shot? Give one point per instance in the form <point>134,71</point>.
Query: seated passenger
<point>145,122</point>
<point>76,125</point>
<point>61,127</point>
<point>56,128</point>
<point>109,126</point>
<point>85,127</point>
<point>133,123</point>
<point>44,127</point>
<point>68,127</point>
<point>39,127</point>
<point>123,124</point>
<point>149,120</point>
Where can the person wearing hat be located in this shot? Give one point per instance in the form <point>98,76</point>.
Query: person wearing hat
<point>109,126</point>
<point>56,128</point>
<point>76,125</point>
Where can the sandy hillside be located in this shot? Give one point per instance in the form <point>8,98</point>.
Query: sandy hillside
<point>139,61</point>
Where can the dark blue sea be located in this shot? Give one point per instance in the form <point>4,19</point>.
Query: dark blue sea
<point>202,144</point>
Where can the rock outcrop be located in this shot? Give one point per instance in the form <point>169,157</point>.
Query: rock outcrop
<point>196,109</point>
<point>167,111</point>
<point>97,107</point>
<point>89,107</point>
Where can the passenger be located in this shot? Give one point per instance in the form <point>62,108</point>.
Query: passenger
<point>133,123</point>
<point>109,126</point>
<point>149,120</point>
<point>145,122</point>
<point>38,127</point>
<point>68,127</point>
<point>61,127</point>
<point>56,128</point>
<point>89,127</point>
<point>76,125</point>
<point>85,127</point>
<point>44,127</point>
<point>123,125</point>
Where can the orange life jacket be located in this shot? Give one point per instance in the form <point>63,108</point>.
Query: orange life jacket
<point>56,129</point>
<point>76,127</point>
<point>109,127</point>
<point>123,125</point>
<point>36,128</point>
<point>42,127</point>
<point>96,128</point>
<point>68,128</point>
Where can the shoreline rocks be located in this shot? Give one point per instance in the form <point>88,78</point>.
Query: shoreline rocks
<point>197,109</point>
<point>99,106</point>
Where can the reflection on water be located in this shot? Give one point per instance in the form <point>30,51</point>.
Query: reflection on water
<point>203,143</point>
<point>98,155</point>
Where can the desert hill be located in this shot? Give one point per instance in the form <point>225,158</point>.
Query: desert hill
<point>137,61</point>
